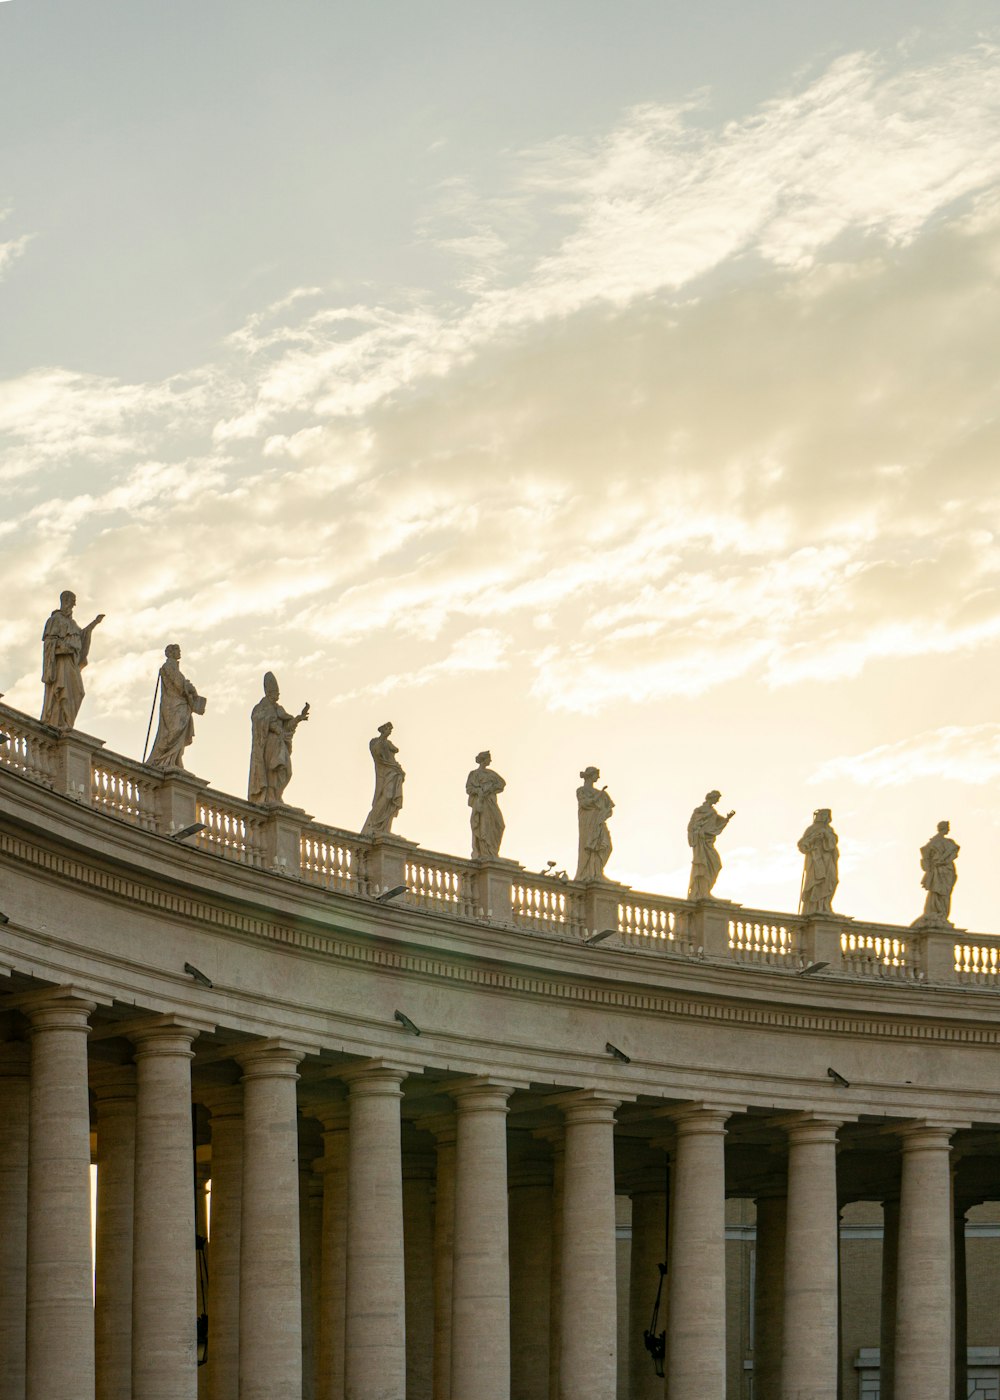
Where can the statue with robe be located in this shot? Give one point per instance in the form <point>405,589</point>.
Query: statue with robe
<point>272,730</point>
<point>594,807</point>
<point>705,825</point>
<point>820,877</point>
<point>937,861</point>
<point>65,653</point>
<point>389,777</point>
<point>483,787</point>
<point>179,703</point>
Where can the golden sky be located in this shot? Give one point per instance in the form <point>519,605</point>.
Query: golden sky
<point>598,394</point>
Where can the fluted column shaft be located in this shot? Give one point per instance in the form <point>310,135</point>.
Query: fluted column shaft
<point>270,1274</point>
<point>769,1297</point>
<point>60,1320</point>
<point>480,1341</point>
<point>418,1256</point>
<point>530,1230</point>
<point>887,1320</point>
<point>444,1131</point>
<point>810,1349</point>
<point>226,1107</point>
<point>696,1317</point>
<point>115,1096</point>
<point>375,1327</point>
<point>588,1360</point>
<point>164,1292</point>
<point>649,1251</point>
<point>14,1089</point>
<point>924,1348</point>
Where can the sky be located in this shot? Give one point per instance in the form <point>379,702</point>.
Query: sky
<point>608,384</point>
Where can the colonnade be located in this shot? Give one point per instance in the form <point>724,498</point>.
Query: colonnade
<point>469,1274</point>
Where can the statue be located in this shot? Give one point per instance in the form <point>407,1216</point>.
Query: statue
<point>820,876</point>
<point>272,730</point>
<point>594,808</point>
<point>937,861</point>
<point>389,776</point>
<point>179,703</point>
<point>483,787</point>
<point>703,828</point>
<point>65,652</point>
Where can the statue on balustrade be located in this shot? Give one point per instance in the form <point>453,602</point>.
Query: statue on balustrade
<point>483,786</point>
<point>179,703</point>
<point>65,653</point>
<point>594,807</point>
<point>705,825</point>
<point>821,876</point>
<point>937,861</point>
<point>389,778</point>
<point>272,730</point>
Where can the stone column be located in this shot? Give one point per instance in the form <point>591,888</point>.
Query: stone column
<point>530,1230</point>
<point>480,1340</point>
<point>270,1278</point>
<point>961,1305</point>
<point>164,1294</point>
<point>588,1361</point>
<point>444,1130</point>
<point>418,1259</point>
<point>114,1096</point>
<point>555,1136</point>
<point>887,1319</point>
<point>14,1088</point>
<point>333,1268</point>
<point>696,1316</point>
<point>311,1236</point>
<point>60,1328</point>
<point>769,1297</point>
<point>648,1190</point>
<point>924,1344</point>
<point>226,1107</point>
<point>810,1343</point>
<point>375,1326</point>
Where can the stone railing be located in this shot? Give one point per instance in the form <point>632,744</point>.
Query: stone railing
<point>288,843</point>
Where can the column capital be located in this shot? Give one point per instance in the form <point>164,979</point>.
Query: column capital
<point>442,1125</point>
<point>483,1094</point>
<point>925,1135</point>
<point>57,1009</point>
<point>695,1118</point>
<point>374,1078</point>
<point>113,1086</point>
<point>269,1059</point>
<point>588,1106</point>
<point>164,1036</point>
<point>809,1127</point>
<point>224,1101</point>
<point>326,1102</point>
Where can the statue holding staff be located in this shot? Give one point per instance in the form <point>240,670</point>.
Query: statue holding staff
<point>821,876</point>
<point>483,786</point>
<point>272,730</point>
<point>65,653</point>
<point>389,778</point>
<point>594,807</point>
<point>179,703</point>
<point>937,861</point>
<point>705,825</point>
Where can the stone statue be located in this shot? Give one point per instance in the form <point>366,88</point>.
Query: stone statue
<point>65,652</point>
<point>179,703</point>
<point>703,828</point>
<point>389,777</point>
<point>483,787</point>
<point>594,807</point>
<point>937,861</point>
<point>272,730</point>
<point>820,876</point>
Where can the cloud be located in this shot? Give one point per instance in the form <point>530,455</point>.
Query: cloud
<point>953,753</point>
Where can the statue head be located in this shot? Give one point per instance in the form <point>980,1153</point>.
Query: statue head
<point>822,814</point>
<point>385,729</point>
<point>484,757</point>
<point>944,828</point>
<point>713,796</point>
<point>271,685</point>
<point>590,775</point>
<point>67,601</point>
<point>172,652</point>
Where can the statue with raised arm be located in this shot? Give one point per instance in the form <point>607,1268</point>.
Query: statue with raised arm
<point>483,786</point>
<point>937,861</point>
<point>705,825</point>
<point>272,730</point>
<point>65,653</point>
<point>389,777</point>
<point>821,876</point>
<point>594,807</point>
<point>179,703</point>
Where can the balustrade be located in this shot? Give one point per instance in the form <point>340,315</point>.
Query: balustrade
<point>123,791</point>
<point>977,964</point>
<point>755,938</point>
<point>332,859</point>
<point>652,925</point>
<point>439,883</point>
<point>868,954</point>
<point>547,906</point>
<point>232,830</point>
<point>30,748</point>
